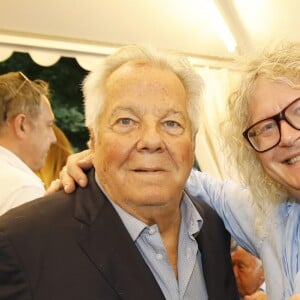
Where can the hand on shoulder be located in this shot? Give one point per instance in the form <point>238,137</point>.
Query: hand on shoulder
<point>72,173</point>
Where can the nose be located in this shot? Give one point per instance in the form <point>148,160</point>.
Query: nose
<point>288,134</point>
<point>150,139</point>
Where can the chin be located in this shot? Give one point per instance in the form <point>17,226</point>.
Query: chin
<point>153,199</point>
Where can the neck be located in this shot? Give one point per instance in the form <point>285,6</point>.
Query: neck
<point>165,216</point>
<point>11,145</point>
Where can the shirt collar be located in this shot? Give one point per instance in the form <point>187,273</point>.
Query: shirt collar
<point>190,216</point>
<point>134,226</point>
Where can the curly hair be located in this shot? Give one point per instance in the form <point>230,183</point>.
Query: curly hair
<point>281,64</point>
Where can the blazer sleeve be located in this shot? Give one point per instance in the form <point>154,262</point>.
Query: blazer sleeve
<point>13,285</point>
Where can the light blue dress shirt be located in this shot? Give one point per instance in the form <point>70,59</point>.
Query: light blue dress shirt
<point>278,249</point>
<point>190,284</point>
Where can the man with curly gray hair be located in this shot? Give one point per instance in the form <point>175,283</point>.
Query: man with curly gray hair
<point>263,140</point>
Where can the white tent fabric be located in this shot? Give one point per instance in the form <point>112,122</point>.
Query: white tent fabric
<point>219,84</point>
<point>45,51</point>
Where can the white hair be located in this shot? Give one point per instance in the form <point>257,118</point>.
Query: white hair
<point>93,85</point>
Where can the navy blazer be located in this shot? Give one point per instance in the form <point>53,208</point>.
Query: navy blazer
<point>75,247</point>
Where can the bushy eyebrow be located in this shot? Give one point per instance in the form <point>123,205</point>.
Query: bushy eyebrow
<point>175,113</point>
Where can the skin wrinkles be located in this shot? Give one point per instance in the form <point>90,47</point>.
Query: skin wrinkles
<point>146,146</point>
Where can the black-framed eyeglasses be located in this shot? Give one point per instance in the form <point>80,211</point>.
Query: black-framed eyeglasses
<point>266,134</point>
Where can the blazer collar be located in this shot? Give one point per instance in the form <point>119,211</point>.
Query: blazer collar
<point>108,245</point>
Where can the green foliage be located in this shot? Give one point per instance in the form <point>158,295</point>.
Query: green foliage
<point>70,118</point>
<point>65,78</point>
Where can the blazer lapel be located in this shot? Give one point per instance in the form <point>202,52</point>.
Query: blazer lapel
<point>109,246</point>
<point>214,244</point>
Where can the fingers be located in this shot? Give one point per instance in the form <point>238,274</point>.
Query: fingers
<point>54,187</point>
<point>68,183</point>
<point>84,160</point>
<point>73,172</point>
<point>295,297</point>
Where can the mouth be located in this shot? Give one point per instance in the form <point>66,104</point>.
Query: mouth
<point>146,170</point>
<point>292,160</point>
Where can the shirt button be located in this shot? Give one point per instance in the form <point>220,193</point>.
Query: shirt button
<point>159,256</point>
<point>151,231</point>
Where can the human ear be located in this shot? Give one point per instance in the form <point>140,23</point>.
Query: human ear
<point>20,125</point>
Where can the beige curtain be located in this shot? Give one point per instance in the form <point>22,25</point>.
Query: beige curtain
<point>219,84</point>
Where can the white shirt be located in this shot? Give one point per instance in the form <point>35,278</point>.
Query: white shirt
<point>18,183</point>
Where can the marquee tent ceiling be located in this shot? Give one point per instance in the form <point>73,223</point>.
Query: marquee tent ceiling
<point>90,29</point>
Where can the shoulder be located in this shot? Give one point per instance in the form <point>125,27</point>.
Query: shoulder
<point>37,215</point>
<point>204,209</point>
<point>14,178</point>
<point>54,212</point>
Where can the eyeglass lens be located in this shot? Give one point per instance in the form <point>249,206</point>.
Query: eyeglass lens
<point>266,134</point>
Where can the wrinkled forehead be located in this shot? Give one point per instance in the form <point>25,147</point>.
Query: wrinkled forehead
<point>138,74</point>
<point>140,92</point>
<point>138,67</point>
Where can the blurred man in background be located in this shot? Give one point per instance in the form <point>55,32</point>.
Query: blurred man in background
<point>26,134</point>
<point>249,274</point>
